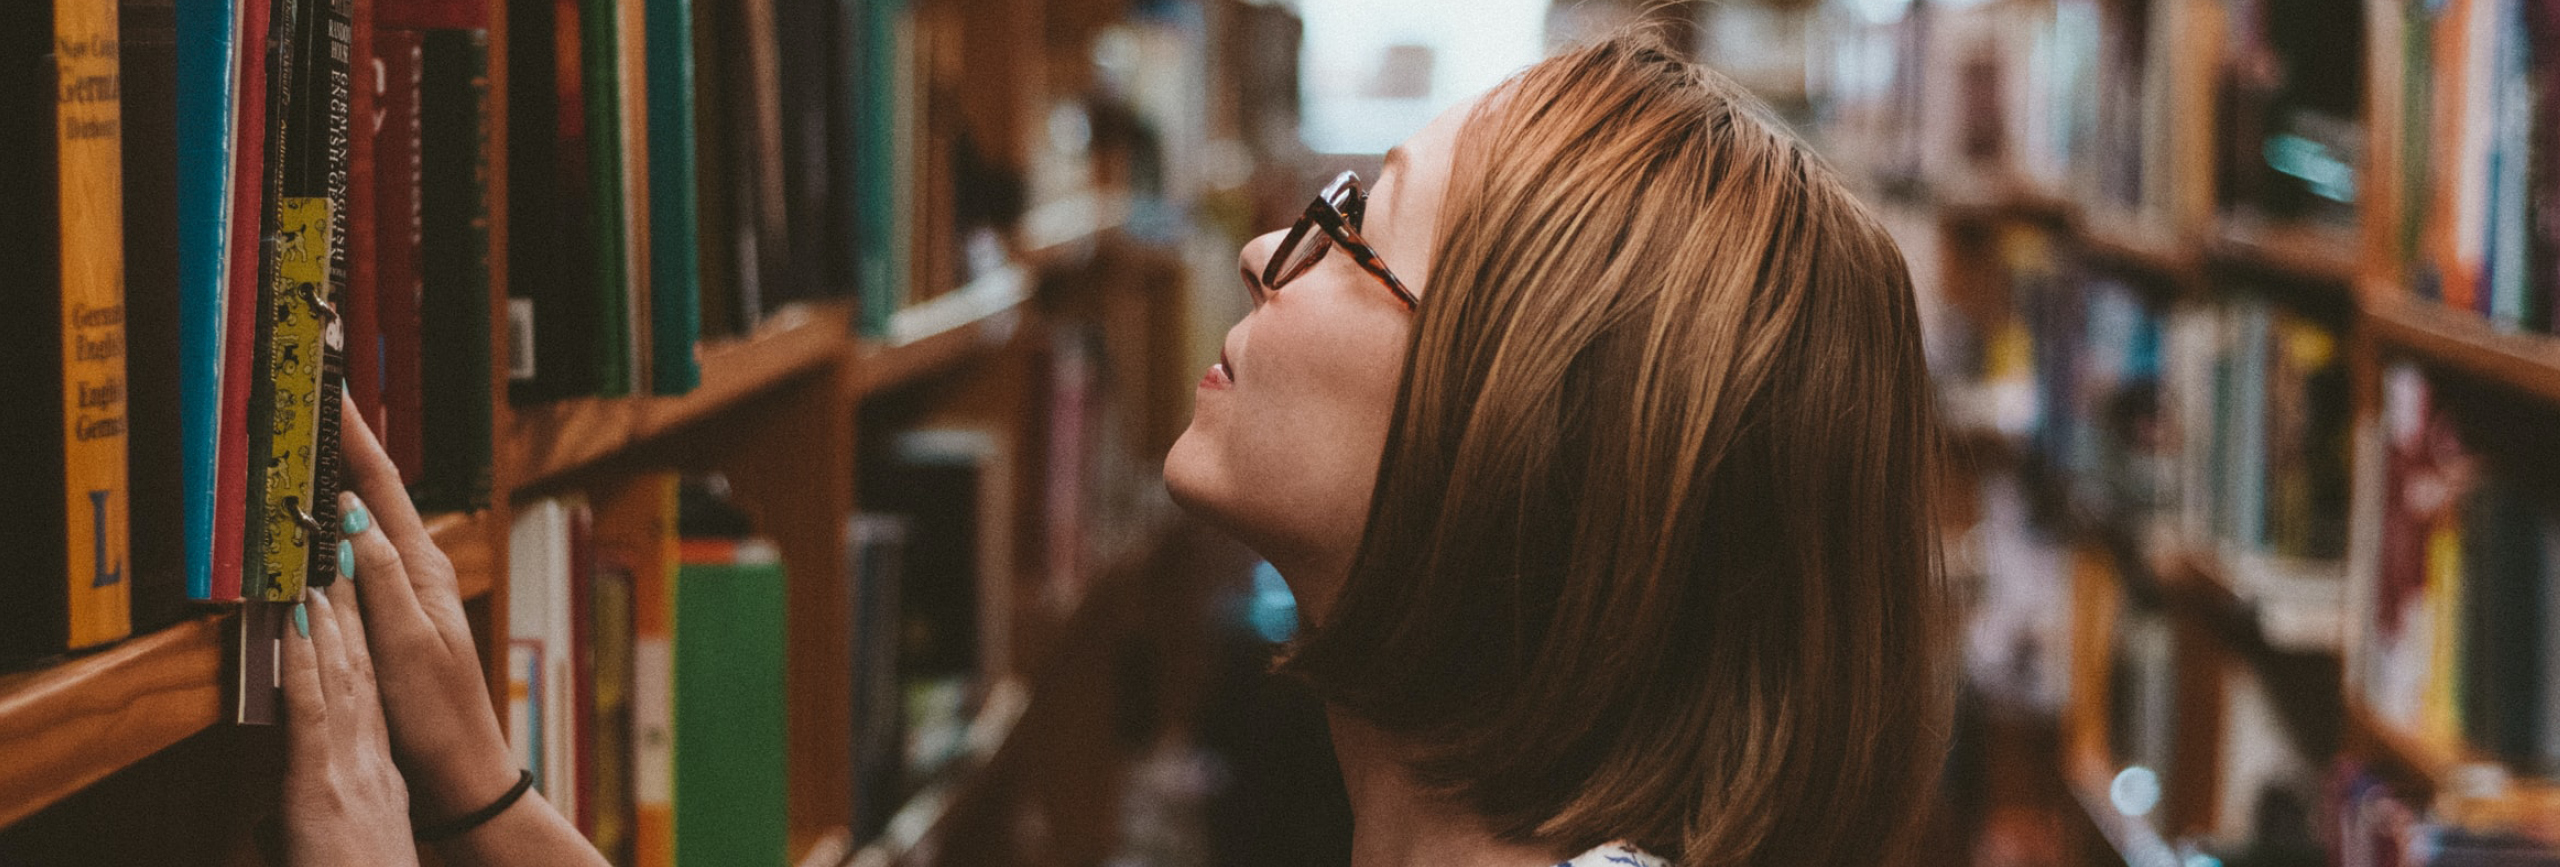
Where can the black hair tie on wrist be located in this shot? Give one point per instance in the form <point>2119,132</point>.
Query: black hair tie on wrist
<point>476,818</point>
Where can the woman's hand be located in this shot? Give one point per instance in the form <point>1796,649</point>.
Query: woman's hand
<point>442,729</point>
<point>343,800</point>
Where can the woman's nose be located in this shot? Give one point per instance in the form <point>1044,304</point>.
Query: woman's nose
<point>1250,261</point>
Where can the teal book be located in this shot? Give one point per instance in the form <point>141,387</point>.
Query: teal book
<point>881,160</point>
<point>675,239</point>
<point>730,785</point>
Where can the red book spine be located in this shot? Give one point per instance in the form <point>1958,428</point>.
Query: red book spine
<point>582,806</point>
<point>360,306</point>
<point>398,232</point>
<point>434,14</point>
<point>239,336</point>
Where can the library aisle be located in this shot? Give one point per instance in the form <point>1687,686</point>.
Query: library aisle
<point>788,383</point>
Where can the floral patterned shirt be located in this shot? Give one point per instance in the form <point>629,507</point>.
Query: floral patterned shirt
<point>1615,855</point>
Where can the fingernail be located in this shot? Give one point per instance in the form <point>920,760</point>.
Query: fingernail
<point>346,559</point>
<point>302,619</point>
<point>355,520</point>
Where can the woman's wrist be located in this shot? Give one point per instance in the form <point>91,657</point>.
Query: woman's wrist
<point>449,789</point>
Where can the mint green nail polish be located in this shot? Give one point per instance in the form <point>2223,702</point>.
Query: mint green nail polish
<point>346,559</point>
<point>302,619</point>
<point>356,521</point>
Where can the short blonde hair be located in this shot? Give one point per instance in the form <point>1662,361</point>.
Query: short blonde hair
<point>1651,554</point>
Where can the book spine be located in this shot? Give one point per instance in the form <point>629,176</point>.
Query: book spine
<point>398,236</point>
<point>729,716</point>
<point>360,308</point>
<point>305,358</point>
<point>675,246</point>
<point>653,675</point>
<point>88,154</point>
<point>241,308</point>
<point>206,71</point>
<point>607,217</point>
<point>155,317</point>
<point>454,270</point>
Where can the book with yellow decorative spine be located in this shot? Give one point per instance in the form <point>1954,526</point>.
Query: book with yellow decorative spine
<point>306,343</point>
<point>62,471</point>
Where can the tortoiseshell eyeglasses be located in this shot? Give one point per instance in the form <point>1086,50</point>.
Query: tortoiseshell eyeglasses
<point>1337,212</point>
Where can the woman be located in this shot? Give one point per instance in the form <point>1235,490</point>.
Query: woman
<point>1595,441</point>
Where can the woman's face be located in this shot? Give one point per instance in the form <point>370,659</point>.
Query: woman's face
<point>1283,447</point>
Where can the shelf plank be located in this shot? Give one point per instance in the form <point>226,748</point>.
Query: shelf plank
<point>547,440</point>
<point>2327,253</point>
<point>981,318</point>
<point>76,722</point>
<point>73,724</point>
<point>2463,340</point>
<point>2469,789</point>
<point>465,539</point>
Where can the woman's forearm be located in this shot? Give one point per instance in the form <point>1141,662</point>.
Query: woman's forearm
<point>529,834</point>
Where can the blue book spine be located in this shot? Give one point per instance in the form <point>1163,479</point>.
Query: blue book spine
<point>205,76</point>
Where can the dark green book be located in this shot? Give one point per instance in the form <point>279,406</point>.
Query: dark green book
<point>453,270</point>
<point>608,218</point>
<point>675,236</point>
<point>730,751</point>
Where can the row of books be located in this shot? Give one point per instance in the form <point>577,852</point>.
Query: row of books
<point>2068,97</point>
<point>214,250</point>
<point>2479,121</point>
<point>2224,422</point>
<point>2460,648</point>
<point>2379,826</point>
<point>647,640</point>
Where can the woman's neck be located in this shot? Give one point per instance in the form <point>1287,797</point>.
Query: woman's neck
<point>1395,823</point>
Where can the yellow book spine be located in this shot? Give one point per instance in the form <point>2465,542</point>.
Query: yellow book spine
<point>301,325</point>
<point>89,146</point>
<point>2440,705</point>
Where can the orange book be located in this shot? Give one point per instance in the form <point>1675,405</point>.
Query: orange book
<point>635,523</point>
<point>88,151</point>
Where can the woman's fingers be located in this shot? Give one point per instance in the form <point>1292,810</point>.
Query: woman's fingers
<point>377,480</point>
<point>388,600</point>
<point>349,612</point>
<point>306,703</point>
<point>337,672</point>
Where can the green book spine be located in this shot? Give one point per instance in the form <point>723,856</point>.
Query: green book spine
<point>881,275</point>
<point>675,241</point>
<point>600,41</point>
<point>729,755</point>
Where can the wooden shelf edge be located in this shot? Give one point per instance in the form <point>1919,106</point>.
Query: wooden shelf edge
<point>2321,252</point>
<point>84,718</point>
<point>2459,339</point>
<point>922,817</point>
<point>465,539</point>
<point>2493,799</point>
<point>552,439</point>
<point>941,332</point>
<point>75,723</point>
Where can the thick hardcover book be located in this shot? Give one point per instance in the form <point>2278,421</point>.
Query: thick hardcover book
<point>398,234</point>
<point>453,203</point>
<point>675,237</point>
<point>875,546</point>
<point>728,271</point>
<point>63,490</point>
<point>206,69</point>
<point>540,651</point>
<point>359,310</point>
<point>608,215</point>
<point>551,315</point>
<point>730,798</point>
<point>635,542</point>
<point>241,305</point>
<point>2503,622</point>
<point>882,156</point>
<point>304,351</point>
<point>636,525</point>
<point>154,312</point>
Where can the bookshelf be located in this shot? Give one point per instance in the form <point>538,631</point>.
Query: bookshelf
<point>115,739</point>
<point>2195,160</point>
